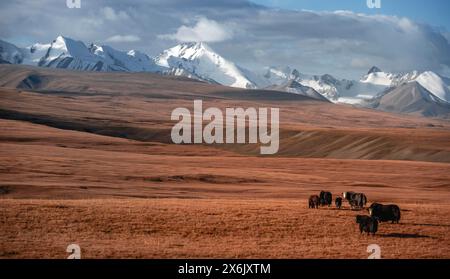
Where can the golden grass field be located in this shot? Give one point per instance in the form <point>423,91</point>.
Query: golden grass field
<point>212,228</point>
<point>87,159</point>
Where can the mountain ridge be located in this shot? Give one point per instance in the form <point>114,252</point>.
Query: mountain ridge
<point>411,98</point>
<point>199,61</point>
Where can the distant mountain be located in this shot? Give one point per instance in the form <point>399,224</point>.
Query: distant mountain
<point>335,90</point>
<point>435,84</point>
<point>201,61</point>
<point>276,76</point>
<point>374,69</point>
<point>10,54</point>
<point>325,85</point>
<point>411,98</point>
<point>432,82</point>
<point>359,91</point>
<point>131,61</point>
<point>193,60</point>
<point>388,79</point>
<point>70,54</point>
<point>396,92</point>
<point>183,72</point>
<point>294,87</point>
<point>66,53</point>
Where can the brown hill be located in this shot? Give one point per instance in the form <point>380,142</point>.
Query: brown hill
<point>412,98</point>
<point>138,106</point>
<point>87,159</point>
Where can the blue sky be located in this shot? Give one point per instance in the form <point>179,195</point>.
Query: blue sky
<point>433,12</point>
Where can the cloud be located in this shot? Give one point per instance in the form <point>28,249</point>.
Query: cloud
<point>361,62</point>
<point>110,14</point>
<point>123,39</point>
<point>341,43</point>
<point>204,30</point>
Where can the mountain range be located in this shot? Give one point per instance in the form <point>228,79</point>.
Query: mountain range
<point>425,93</point>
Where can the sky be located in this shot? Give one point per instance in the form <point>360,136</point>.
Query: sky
<point>343,38</point>
<point>434,12</point>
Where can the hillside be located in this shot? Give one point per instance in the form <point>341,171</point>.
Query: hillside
<point>87,158</point>
<point>309,128</point>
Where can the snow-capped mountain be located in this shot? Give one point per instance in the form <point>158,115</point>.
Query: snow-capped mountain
<point>325,85</point>
<point>67,53</point>
<point>388,79</point>
<point>181,71</point>
<point>369,86</point>
<point>276,76</point>
<point>193,60</point>
<point>429,80</point>
<point>10,54</point>
<point>132,61</point>
<point>435,84</point>
<point>35,52</point>
<point>330,87</point>
<point>201,61</point>
<point>412,98</point>
<point>376,89</point>
<point>374,69</point>
<point>294,87</point>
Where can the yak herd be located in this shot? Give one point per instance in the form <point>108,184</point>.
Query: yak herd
<point>367,223</point>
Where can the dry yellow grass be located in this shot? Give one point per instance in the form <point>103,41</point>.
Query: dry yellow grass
<point>123,191</point>
<point>210,228</point>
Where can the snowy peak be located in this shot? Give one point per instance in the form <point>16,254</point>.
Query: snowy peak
<point>326,84</point>
<point>194,60</point>
<point>292,86</point>
<point>200,60</point>
<point>192,51</point>
<point>279,75</point>
<point>379,78</point>
<point>67,53</point>
<point>411,98</point>
<point>389,79</point>
<point>131,61</point>
<point>431,81</point>
<point>355,92</point>
<point>435,84</point>
<point>187,51</point>
<point>10,54</point>
<point>35,53</point>
<point>277,72</point>
<point>70,47</point>
<point>328,79</point>
<point>374,69</point>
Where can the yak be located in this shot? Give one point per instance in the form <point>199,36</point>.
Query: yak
<point>356,200</point>
<point>314,201</point>
<point>385,213</point>
<point>326,198</point>
<point>367,224</point>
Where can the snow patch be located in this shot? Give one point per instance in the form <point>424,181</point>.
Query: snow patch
<point>202,61</point>
<point>434,84</point>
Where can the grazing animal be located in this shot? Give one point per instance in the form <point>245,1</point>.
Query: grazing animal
<point>385,213</point>
<point>326,198</point>
<point>356,200</point>
<point>338,202</point>
<point>314,201</point>
<point>367,224</point>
